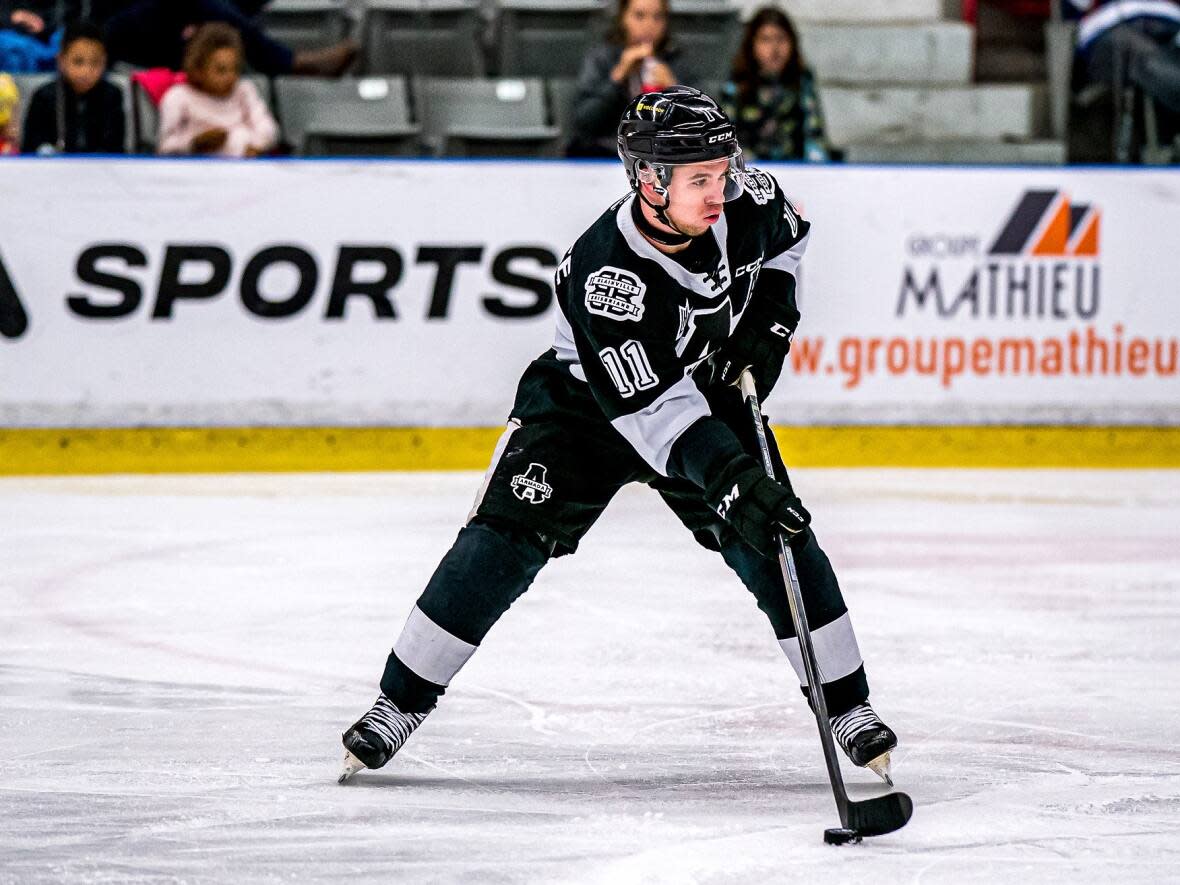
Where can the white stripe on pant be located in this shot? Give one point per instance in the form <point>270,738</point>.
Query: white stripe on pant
<point>836,651</point>
<point>430,651</point>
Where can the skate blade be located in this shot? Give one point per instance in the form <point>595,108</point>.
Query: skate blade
<point>351,766</point>
<point>882,767</point>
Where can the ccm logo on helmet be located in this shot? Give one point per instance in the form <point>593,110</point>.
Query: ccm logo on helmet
<point>720,136</point>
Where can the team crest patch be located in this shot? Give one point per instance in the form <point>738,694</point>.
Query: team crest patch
<point>615,293</point>
<point>531,485</point>
<point>758,185</point>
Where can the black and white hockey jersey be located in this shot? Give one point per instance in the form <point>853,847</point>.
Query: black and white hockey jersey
<point>634,324</point>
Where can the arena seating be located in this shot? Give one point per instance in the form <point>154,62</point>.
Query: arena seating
<point>545,38</point>
<point>350,117</point>
<point>431,38</point>
<point>897,80</point>
<point>306,24</point>
<point>464,117</point>
<point>707,32</point>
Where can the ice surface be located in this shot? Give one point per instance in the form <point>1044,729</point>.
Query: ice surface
<point>178,656</point>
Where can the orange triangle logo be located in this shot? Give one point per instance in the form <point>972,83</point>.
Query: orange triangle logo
<point>1088,241</point>
<point>1056,235</point>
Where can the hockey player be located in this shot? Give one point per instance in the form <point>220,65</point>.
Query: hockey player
<point>661,304</point>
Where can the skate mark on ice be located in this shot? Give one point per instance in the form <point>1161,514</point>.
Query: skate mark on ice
<point>711,714</point>
<point>56,749</point>
<point>537,715</point>
<point>44,595</point>
<point>959,721</point>
<point>450,774</point>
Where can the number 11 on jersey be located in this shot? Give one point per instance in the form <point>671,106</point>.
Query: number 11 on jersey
<point>630,372</point>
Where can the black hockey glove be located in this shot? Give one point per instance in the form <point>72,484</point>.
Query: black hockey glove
<point>756,506</point>
<point>759,343</point>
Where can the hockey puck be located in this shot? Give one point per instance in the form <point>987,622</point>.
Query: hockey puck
<point>840,836</point>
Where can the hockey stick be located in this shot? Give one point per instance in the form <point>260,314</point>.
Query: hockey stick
<point>869,817</point>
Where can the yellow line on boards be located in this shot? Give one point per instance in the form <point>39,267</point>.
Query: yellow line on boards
<point>243,449</point>
<point>284,449</point>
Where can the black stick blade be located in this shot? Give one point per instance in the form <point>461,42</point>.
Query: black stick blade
<point>880,815</point>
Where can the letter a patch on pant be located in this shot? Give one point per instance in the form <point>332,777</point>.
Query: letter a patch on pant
<point>531,485</point>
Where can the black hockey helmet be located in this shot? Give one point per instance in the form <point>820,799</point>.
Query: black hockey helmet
<point>672,127</point>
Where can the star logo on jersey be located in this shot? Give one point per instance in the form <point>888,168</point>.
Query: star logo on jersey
<point>758,185</point>
<point>531,486</point>
<point>704,327</point>
<point>685,316</point>
<point>615,293</point>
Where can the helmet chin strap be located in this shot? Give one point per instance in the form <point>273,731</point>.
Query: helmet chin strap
<point>649,230</point>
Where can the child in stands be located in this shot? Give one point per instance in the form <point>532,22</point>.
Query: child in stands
<point>79,112</point>
<point>9,101</point>
<point>771,95</point>
<point>216,112</point>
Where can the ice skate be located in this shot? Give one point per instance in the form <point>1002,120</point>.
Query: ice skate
<point>866,739</point>
<point>376,736</point>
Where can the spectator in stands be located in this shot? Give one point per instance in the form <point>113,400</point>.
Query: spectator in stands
<point>9,103</point>
<point>637,57</point>
<point>771,95</point>
<point>29,33</point>
<point>215,112</point>
<point>152,34</point>
<point>79,111</point>
<point>1133,42</point>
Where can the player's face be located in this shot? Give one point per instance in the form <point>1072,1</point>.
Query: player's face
<point>82,64</point>
<point>644,21</point>
<point>772,50</point>
<point>696,195</point>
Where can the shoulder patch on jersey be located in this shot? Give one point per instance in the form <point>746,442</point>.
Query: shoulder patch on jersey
<point>615,293</point>
<point>759,185</point>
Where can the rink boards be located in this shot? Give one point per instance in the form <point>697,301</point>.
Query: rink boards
<point>175,315</point>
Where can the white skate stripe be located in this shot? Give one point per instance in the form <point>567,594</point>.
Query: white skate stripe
<point>836,651</point>
<point>652,431</point>
<point>430,651</point>
<point>501,445</point>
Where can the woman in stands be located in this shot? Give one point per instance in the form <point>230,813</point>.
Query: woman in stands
<point>637,57</point>
<point>771,95</point>
<point>216,112</point>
